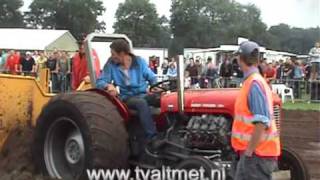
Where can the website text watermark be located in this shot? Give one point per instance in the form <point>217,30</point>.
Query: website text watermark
<point>165,173</point>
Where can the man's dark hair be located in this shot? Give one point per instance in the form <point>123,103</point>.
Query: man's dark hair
<point>235,61</point>
<point>251,59</point>
<point>120,45</point>
<point>197,61</point>
<point>209,59</point>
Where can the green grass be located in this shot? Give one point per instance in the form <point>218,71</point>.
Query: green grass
<point>304,106</point>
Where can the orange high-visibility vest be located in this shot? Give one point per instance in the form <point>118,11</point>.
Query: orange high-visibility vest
<point>242,128</point>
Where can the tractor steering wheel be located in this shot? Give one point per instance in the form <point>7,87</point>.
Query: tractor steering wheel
<point>164,86</point>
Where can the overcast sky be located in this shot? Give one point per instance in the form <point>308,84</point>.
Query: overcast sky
<point>297,13</point>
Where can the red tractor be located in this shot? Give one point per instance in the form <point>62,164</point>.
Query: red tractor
<point>92,130</point>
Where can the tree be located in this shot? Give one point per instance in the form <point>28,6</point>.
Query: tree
<point>139,20</point>
<point>245,21</point>
<point>191,23</point>
<point>78,16</point>
<point>209,23</point>
<point>295,40</point>
<point>10,15</point>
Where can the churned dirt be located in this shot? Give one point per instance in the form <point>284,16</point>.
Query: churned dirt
<point>16,158</point>
<point>300,130</point>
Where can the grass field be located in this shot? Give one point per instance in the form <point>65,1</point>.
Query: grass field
<point>301,106</point>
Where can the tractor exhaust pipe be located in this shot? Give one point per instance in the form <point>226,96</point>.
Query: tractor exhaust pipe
<point>180,82</point>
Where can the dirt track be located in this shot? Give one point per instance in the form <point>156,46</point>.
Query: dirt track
<point>300,131</point>
<point>16,159</point>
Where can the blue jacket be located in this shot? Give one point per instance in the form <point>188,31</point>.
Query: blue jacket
<point>134,85</point>
<point>172,72</point>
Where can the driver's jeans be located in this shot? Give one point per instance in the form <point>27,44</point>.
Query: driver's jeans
<point>141,105</point>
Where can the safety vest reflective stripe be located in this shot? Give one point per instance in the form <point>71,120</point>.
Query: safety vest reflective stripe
<point>247,137</point>
<point>246,120</point>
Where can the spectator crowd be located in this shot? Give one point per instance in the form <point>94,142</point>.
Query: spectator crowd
<point>293,72</point>
<point>199,73</point>
<point>30,64</point>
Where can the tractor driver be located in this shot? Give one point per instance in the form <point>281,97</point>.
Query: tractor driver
<point>130,73</point>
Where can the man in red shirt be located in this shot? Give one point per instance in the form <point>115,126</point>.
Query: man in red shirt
<point>13,62</point>
<point>270,72</point>
<point>80,71</point>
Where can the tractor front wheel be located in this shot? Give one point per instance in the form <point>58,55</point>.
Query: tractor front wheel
<point>79,131</point>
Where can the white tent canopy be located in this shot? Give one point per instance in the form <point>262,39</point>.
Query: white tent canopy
<point>36,39</point>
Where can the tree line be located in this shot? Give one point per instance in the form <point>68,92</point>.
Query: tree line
<point>193,23</point>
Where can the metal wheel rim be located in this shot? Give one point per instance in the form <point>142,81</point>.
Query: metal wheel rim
<point>61,160</point>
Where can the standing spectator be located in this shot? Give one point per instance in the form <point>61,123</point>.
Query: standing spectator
<point>27,64</point>
<point>187,80</point>
<point>201,74</point>
<point>315,61</point>
<point>297,76</point>
<point>315,72</point>
<point>263,67</point>
<point>4,55</point>
<point>64,68</point>
<point>187,62</point>
<point>35,55</point>
<point>288,70</point>
<point>172,71</point>
<point>80,71</point>
<point>307,75</point>
<point>41,61</point>
<point>193,72</point>
<point>280,71</point>
<point>199,67</point>
<point>3,59</point>
<point>153,64</point>
<point>226,72</point>
<point>165,66</point>
<point>172,75</point>
<point>236,72</point>
<point>12,63</point>
<point>307,71</point>
<point>270,73</point>
<point>211,73</point>
<point>53,67</point>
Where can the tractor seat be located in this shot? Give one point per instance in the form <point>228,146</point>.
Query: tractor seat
<point>155,111</point>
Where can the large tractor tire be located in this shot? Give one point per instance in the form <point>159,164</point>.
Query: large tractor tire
<point>79,131</point>
<point>291,161</point>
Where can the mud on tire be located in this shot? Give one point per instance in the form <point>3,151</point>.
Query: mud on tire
<point>79,131</point>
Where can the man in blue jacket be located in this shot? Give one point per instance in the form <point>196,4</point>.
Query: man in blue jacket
<point>131,74</point>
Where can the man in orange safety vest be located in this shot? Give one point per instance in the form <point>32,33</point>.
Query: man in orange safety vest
<point>255,137</point>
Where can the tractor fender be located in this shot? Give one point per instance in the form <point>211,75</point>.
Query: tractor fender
<point>122,108</point>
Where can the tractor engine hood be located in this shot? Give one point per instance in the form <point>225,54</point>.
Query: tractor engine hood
<point>202,101</point>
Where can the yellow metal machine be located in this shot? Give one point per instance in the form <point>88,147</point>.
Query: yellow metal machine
<point>22,99</point>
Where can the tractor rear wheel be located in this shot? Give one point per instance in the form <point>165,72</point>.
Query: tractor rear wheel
<point>79,131</point>
<point>291,161</point>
